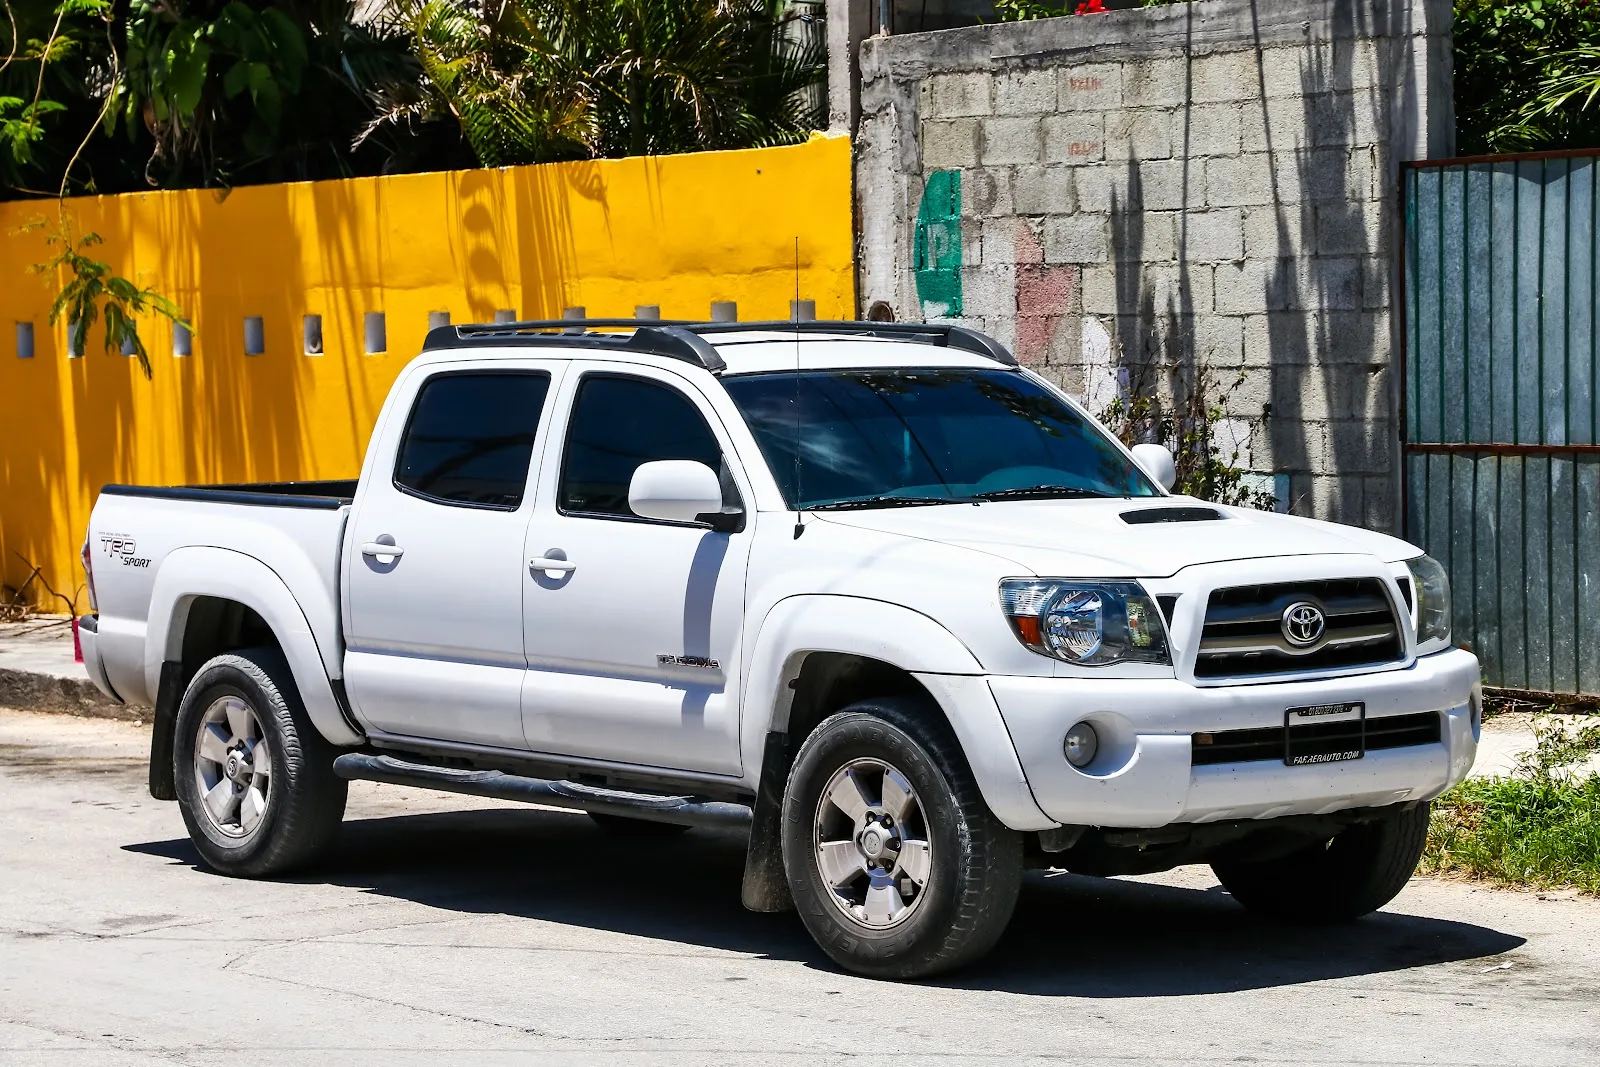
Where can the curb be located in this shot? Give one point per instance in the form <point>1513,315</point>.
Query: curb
<point>27,691</point>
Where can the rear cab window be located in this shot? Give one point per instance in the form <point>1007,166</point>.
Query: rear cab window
<point>470,437</point>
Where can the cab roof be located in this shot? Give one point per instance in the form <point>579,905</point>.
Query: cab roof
<point>738,348</point>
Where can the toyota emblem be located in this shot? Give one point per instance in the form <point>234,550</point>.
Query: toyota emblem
<point>1303,624</point>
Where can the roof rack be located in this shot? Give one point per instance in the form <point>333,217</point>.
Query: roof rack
<point>569,327</point>
<point>958,337</point>
<point>660,337</point>
<point>680,338</point>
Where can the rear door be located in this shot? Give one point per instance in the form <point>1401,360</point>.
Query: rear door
<point>633,639</point>
<point>434,564</point>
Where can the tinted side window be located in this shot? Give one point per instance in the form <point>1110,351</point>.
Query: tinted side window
<point>619,423</point>
<point>470,438</point>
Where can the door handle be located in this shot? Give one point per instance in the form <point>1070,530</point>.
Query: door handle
<point>551,565</point>
<point>374,548</point>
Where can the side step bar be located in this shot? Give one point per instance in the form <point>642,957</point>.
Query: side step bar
<point>684,810</point>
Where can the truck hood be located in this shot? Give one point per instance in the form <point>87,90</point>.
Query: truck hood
<point>1118,538</point>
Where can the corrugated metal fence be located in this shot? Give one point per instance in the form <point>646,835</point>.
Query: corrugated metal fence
<point>1502,464</point>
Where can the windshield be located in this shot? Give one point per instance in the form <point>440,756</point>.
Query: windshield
<point>904,436</point>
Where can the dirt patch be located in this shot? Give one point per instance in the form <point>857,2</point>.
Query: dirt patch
<point>63,696</point>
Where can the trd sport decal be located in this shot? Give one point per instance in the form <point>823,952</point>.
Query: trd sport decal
<point>121,548</point>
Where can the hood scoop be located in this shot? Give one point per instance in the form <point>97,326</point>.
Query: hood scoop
<point>1149,515</point>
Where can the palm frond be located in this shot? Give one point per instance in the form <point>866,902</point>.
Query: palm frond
<point>531,80</point>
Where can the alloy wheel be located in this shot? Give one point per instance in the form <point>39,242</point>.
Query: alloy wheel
<point>872,845</point>
<point>233,767</point>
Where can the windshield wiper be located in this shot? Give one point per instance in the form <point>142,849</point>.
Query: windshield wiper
<point>889,502</point>
<point>1040,492</point>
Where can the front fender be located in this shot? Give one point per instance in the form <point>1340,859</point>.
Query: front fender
<point>798,626</point>
<point>188,573</point>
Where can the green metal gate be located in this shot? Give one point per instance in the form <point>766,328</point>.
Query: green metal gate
<point>1500,420</point>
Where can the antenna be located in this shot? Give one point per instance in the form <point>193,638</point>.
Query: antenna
<point>799,515</point>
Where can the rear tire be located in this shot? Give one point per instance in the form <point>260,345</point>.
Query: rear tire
<point>1334,881</point>
<point>897,866</point>
<point>254,779</point>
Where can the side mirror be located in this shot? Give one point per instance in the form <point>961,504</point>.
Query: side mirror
<point>1157,462</point>
<point>675,490</point>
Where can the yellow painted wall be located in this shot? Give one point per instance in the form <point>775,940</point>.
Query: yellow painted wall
<point>679,231</point>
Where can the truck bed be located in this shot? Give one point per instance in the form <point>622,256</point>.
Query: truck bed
<point>209,537</point>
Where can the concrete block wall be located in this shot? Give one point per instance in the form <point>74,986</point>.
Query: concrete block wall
<point>1208,185</point>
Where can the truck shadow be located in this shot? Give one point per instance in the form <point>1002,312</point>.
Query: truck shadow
<point>1071,936</point>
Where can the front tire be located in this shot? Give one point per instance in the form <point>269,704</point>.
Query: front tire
<point>255,780</point>
<point>1350,875</point>
<point>897,866</point>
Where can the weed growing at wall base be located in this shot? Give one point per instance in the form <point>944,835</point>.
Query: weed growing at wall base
<point>1181,408</point>
<point>1540,827</point>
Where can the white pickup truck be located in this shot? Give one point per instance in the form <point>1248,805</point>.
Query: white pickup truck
<point>874,591</point>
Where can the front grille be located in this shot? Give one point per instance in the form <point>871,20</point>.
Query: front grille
<point>1268,742</point>
<point>1243,632</point>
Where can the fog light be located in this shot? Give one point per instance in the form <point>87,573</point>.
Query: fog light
<point>1081,744</point>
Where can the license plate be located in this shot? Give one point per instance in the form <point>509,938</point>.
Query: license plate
<point>1324,733</point>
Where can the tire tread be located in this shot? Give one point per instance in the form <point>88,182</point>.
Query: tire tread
<point>988,889</point>
<point>310,802</point>
<point>1350,878</point>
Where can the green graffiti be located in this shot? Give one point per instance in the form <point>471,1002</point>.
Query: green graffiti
<point>937,251</point>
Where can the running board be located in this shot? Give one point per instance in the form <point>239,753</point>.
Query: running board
<point>684,810</point>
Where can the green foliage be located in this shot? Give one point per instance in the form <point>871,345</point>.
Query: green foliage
<point>1184,422</point>
<point>173,63</point>
<point>1525,75</point>
<point>536,80</point>
<point>92,291</point>
<point>502,76</point>
<point>1563,113</point>
<point>1538,827</point>
<point>196,92</point>
<point>45,102</point>
<point>249,91</point>
<point>1027,10</point>
<point>22,125</point>
<point>1557,749</point>
<point>226,92</point>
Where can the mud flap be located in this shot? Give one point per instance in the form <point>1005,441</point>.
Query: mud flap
<point>766,887</point>
<point>169,692</point>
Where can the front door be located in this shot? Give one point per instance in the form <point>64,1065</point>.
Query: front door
<point>435,561</point>
<point>633,625</point>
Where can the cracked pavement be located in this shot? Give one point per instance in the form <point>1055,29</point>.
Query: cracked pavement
<point>454,930</point>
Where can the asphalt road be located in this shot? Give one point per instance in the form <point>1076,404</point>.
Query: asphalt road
<point>448,930</point>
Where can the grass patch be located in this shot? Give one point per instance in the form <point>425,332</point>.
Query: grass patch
<point>1540,827</point>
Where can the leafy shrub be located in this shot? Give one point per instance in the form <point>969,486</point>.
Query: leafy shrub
<point>1520,68</point>
<point>537,80</point>
<point>1538,827</point>
<point>1184,417</point>
<point>93,291</point>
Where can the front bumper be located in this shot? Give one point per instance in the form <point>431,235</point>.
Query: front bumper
<point>1143,776</point>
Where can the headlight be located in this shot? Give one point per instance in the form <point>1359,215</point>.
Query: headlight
<point>1432,590</point>
<point>1090,623</point>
